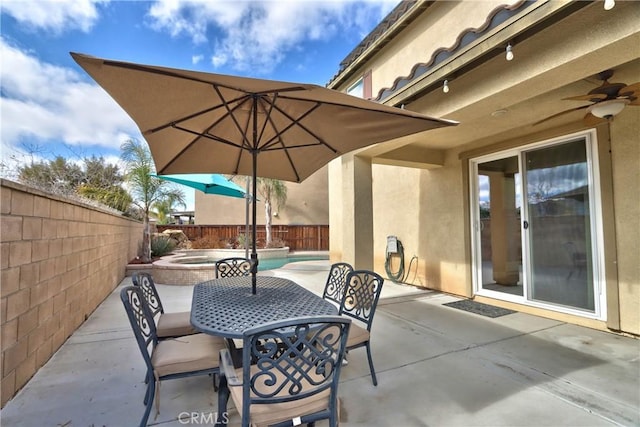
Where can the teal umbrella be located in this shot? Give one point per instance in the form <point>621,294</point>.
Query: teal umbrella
<point>211,183</point>
<point>208,183</point>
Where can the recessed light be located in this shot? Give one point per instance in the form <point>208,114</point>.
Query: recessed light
<point>499,113</point>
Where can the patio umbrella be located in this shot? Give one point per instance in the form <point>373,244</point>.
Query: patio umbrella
<point>196,122</point>
<point>208,183</point>
<point>211,183</point>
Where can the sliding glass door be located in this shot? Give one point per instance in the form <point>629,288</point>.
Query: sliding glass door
<point>500,231</point>
<point>534,225</point>
<point>559,232</point>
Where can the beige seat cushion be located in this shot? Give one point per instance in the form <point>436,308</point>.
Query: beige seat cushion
<point>175,324</point>
<point>186,354</point>
<point>267,414</point>
<point>357,335</point>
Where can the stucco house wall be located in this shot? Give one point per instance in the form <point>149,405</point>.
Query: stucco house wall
<point>307,204</point>
<point>414,42</point>
<point>420,186</point>
<point>625,159</point>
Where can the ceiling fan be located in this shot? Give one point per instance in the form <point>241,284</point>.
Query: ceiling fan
<point>606,100</point>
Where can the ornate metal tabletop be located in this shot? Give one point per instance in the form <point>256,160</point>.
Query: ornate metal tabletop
<point>226,306</point>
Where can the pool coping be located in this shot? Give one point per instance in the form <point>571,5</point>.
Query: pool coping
<point>169,272</point>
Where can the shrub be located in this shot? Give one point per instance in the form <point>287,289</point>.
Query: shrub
<point>161,245</point>
<point>208,242</point>
<point>276,242</point>
<point>241,240</point>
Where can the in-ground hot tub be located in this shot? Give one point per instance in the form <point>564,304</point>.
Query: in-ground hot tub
<point>189,267</point>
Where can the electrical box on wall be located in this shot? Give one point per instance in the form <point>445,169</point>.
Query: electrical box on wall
<point>392,244</point>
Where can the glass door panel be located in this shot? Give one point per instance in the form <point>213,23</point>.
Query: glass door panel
<point>559,224</point>
<point>499,201</point>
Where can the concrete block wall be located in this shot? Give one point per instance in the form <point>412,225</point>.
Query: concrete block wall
<point>60,259</point>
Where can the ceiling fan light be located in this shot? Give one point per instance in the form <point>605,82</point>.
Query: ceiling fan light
<point>609,4</point>
<point>608,109</point>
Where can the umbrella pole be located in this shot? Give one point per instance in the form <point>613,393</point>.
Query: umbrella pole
<point>254,254</point>
<point>247,197</point>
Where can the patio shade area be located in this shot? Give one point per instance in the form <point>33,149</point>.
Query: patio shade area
<point>436,366</point>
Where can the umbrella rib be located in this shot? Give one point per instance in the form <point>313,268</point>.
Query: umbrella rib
<point>295,122</point>
<point>230,111</point>
<point>277,139</point>
<point>395,113</point>
<point>243,149</point>
<point>267,113</point>
<point>290,147</point>
<point>246,145</point>
<point>205,134</point>
<point>293,166</point>
<point>191,116</point>
<point>208,136</point>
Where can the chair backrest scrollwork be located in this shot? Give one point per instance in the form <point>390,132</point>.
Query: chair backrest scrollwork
<point>233,267</point>
<point>141,319</point>
<point>334,288</point>
<point>361,295</point>
<point>293,359</point>
<point>145,282</point>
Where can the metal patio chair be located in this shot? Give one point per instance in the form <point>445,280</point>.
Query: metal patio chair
<point>361,294</point>
<point>233,267</point>
<point>167,324</point>
<point>289,375</point>
<point>336,280</point>
<point>187,356</point>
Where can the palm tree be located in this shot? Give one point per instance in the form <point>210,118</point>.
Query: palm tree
<point>272,191</point>
<point>145,189</point>
<point>163,208</point>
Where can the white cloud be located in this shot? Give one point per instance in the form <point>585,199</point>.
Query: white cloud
<point>43,102</point>
<point>258,34</point>
<point>195,59</point>
<point>55,16</point>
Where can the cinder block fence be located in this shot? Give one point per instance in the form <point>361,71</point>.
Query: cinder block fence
<point>60,260</point>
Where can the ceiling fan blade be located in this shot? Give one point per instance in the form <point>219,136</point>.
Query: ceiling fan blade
<point>560,114</point>
<point>630,90</point>
<point>594,97</point>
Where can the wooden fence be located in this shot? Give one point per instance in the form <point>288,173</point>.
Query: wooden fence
<point>297,237</point>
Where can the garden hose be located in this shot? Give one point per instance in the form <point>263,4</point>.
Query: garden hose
<point>399,275</point>
<point>413,258</point>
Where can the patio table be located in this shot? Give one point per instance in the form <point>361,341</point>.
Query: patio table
<point>226,307</point>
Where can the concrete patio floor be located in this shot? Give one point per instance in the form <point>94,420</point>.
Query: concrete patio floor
<point>436,366</point>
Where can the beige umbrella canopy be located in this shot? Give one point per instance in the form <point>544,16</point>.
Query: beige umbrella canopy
<point>196,122</point>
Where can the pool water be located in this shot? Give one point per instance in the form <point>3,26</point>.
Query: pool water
<point>269,263</point>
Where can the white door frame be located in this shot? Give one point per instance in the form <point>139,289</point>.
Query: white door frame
<point>596,228</point>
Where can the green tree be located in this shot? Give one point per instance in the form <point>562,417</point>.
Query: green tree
<point>56,176</point>
<point>145,189</point>
<point>163,208</point>
<point>103,182</point>
<point>100,174</point>
<point>272,192</point>
<point>114,196</point>
<point>93,179</point>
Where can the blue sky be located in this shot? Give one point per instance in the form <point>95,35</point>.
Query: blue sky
<point>50,107</point>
